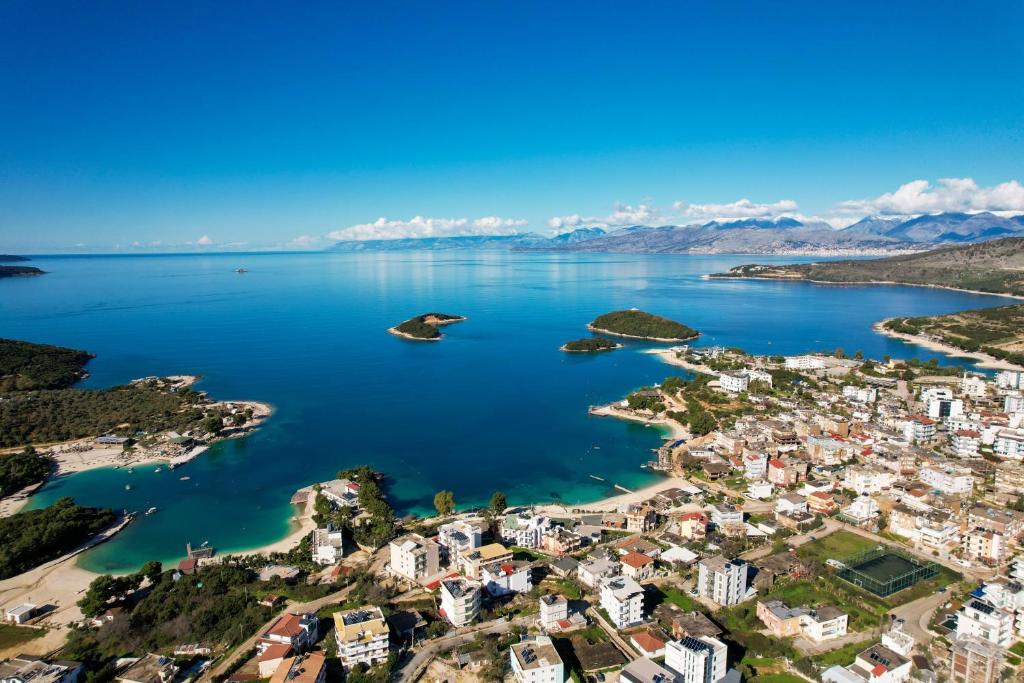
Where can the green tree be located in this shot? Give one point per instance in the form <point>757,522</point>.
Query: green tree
<point>444,502</point>
<point>498,503</point>
<point>151,570</point>
<point>213,424</point>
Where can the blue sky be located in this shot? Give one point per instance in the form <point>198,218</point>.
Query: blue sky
<point>255,125</point>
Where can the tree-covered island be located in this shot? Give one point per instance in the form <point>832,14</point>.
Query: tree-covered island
<point>590,345</point>
<point>425,327</point>
<point>642,325</point>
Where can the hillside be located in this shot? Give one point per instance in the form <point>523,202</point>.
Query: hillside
<point>642,325</point>
<point>996,332</point>
<point>19,271</point>
<point>996,266</point>
<point>24,366</point>
<point>425,327</point>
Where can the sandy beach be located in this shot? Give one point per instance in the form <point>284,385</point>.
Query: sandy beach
<point>678,430</point>
<point>669,356</point>
<point>984,360</point>
<point>303,524</point>
<point>613,503</point>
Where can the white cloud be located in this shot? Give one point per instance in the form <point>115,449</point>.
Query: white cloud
<point>420,226</point>
<point>622,216</point>
<point>741,208</point>
<point>304,241</point>
<point>204,241</point>
<point>950,194</point>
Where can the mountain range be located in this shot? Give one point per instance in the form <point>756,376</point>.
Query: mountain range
<point>785,235</point>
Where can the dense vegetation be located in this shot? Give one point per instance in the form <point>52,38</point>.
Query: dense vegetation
<point>997,331</point>
<point>634,323</point>
<point>382,524</point>
<point>992,266</point>
<point>62,414</point>
<point>589,345</point>
<point>15,271</point>
<point>21,469</point>
<point>425,326</point>
<point>34,537</point>
<point>24,365</point>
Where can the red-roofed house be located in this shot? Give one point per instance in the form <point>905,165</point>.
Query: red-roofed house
<point>648,644</point>
<point>692,525</point>
<point>637,566</point>
<point>297,630</point>
<point>821,503</point>
<point>272,657</point>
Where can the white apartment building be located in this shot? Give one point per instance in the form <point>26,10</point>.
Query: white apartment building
<point>919,429</point>
<point>860,394</point>
<point>536,661</point>
<point>865,480</point>
<point>965,443</point>
<point>805,363</point>
<point>974,386</point>
<point>697,660</point>
<point>723,581</point>
<point>500,578</point>
<point>949,479</point>
<point>456,538</point>
<point>733,382</point>
<point>724,514</point>
<point>414,557</point>
<point>943,408</point>
<point>1009,443</point>
<point>986,621</point>
<point>553,609</point>
<point>524,530</point>
<point>362,636</point>
<point>790,503</point>
<point>1013,403</point>
<point>327,546</point>
<point>460,601</point>
<point>862,510</point>
<point>755,466</point>
<point>1010,379</point>
<point>623,599</point>
<point>342,492</point>
<point>972,660</point>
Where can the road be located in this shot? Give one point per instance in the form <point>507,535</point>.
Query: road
<point>412,669</point>
<point>612,633</point>
<point>918,613</point>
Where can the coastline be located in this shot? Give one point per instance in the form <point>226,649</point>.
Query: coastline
<point>403,335</point>
<point>677,430</point>
<point>563,349</point>
<point>303,524</point>
<point>668,356</point>
<point>861,283</point>
<point>674,340</point>
<point>984,359</point>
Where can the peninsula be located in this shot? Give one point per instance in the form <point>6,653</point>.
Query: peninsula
<point>637,324</point>
<point>990,267</point>
<point>425,327</point>
<point>590,345</point>
<point>20,271</point>
<point>48,426</point>
<point>994,336</point>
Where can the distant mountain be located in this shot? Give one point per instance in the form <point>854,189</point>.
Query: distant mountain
<point>11,258</point>
<point>993,266</point>
<point>494,242</point>
<point>874,235</point>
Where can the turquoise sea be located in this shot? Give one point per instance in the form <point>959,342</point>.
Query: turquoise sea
<point>493,406</point>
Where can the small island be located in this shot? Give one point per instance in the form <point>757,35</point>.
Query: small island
<point>590,345</point>
<point>17,271</point>
<point>637,324</point>
<point>425,327</point>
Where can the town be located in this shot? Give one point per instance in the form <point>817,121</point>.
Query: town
<point>823,518</point>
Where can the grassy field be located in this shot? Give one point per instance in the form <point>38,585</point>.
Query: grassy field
<point>864,611</point>
<point>778,678</point>
<point>842,545</point>
<point>16,635</point>
<point>681,599</point>
<point>838,545</point>
<point>843,655</point>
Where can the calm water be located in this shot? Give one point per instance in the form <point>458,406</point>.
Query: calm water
<point>493,406</point>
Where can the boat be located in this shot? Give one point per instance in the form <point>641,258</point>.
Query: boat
<point>157,470</point>
<point>127,487</point>
<point>592,476</point>
<point>241,270</point>
<point>131,471</point>
<point>150,511</point>
<point>185,478</point>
